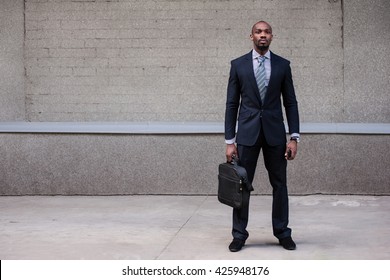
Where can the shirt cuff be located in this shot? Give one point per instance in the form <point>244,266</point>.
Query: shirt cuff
<point>230,141</point>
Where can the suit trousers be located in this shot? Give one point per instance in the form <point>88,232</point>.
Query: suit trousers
<point>276,165</point>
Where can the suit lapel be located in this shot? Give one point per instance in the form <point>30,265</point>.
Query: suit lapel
<point>251,75</point>
<point>274,74</point>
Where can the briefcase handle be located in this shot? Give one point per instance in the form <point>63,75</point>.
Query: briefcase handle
<point>245,177</point>
<point>234,160</point>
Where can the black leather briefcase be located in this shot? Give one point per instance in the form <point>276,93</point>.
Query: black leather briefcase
<point>232,179</point>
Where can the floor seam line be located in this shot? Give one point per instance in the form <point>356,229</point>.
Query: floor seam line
<point>181,227</point>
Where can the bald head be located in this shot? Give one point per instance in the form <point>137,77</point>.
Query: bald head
<point>261,22</point>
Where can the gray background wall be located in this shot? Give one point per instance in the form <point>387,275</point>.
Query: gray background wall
<point>168,61</point>
<point>12,78</point>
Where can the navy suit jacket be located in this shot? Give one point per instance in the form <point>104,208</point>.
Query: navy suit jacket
<point>244,104</point>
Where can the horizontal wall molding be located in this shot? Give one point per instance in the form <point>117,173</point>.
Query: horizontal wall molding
<point>176,128</point>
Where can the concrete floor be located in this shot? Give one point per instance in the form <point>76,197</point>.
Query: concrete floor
<point>188,228</point>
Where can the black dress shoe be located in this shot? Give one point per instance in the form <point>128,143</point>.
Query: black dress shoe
<point>236,245</point>
<point>287,243</point>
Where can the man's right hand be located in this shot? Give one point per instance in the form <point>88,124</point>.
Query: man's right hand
<point>231,150</point>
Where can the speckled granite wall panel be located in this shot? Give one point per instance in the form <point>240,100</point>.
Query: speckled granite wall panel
<point>50,164</point>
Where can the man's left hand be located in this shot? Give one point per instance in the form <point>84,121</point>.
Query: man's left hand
<point>291,150</point>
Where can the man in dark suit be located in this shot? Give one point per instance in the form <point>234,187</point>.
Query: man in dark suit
<point>257,83</point>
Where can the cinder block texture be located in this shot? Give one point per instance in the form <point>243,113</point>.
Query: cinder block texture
<point>133,60</point>
<point>367,60</point>
<point>55,164</point>
<point>12,92</point>
<point>147,60</point>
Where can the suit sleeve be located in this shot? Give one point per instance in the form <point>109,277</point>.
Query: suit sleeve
<point>290,102</point>
<point>232,104</point>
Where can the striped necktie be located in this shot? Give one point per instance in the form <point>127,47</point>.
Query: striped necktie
<point>260,77</point>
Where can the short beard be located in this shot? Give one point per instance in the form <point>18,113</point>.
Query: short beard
<point>263,48</point>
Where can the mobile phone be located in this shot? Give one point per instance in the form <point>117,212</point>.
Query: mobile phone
<point>288,154</point>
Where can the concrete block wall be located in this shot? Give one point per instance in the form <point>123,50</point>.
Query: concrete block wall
<point>12,75</point>
<point>168,61</point>
<point>146,60</point>
<point>366,61</point>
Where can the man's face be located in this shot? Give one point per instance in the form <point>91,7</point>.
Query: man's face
<point>261,36</point>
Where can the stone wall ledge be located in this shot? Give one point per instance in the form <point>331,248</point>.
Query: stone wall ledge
<point>176,128</point>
